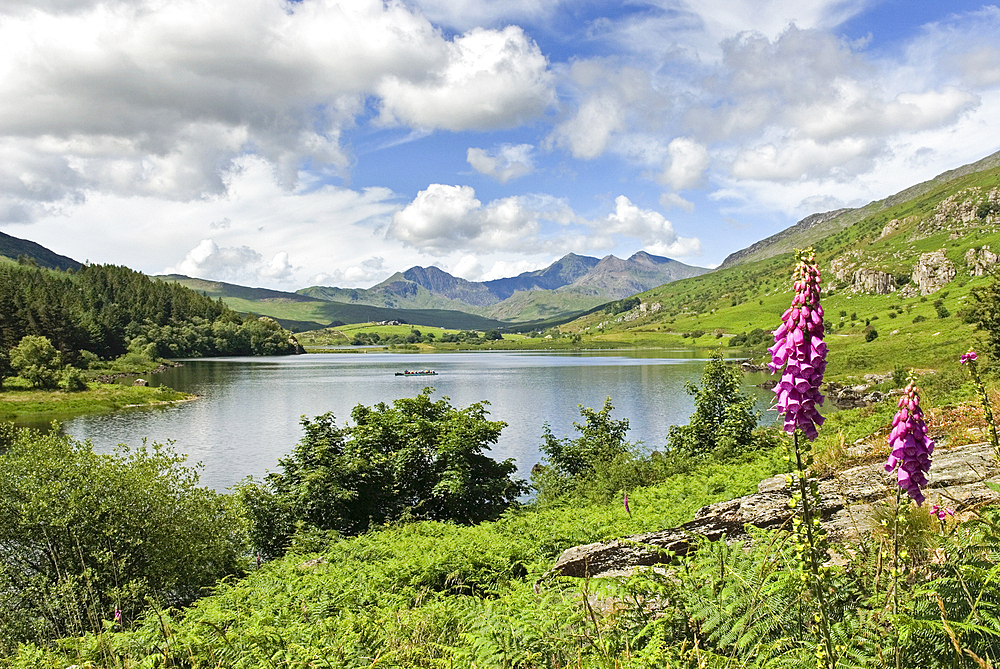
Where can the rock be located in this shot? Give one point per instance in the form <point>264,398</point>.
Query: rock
<point>873,281</point>
<point>847,502</point>
<point>979,261</point>
<point>933,271</point>
<point>851,397</point>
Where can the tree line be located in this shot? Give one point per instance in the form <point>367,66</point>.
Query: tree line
<point>107,311</point>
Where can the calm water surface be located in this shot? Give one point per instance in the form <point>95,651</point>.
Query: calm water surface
<point>248,410</point>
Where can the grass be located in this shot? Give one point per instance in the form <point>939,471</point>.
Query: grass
<point>45,405</point>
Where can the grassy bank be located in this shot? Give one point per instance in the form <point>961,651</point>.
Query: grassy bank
<point>45,405</point>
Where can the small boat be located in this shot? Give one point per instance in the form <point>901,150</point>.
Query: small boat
<point>420,372</point>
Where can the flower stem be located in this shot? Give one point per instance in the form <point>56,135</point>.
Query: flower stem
<point>812,561</point>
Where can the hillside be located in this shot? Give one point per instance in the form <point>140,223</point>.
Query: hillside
<point>302,312</point>
<point>817,226</point>
<point>570,285</point>
<point>14,248</point>
<point>904,272</point>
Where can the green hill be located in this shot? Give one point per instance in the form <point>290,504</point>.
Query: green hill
<point>817,226</point>
<point>903,271</point>
<point>307,313</point>
<point>14,248</point>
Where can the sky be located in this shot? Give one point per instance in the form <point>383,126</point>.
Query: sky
<point>324,142</point>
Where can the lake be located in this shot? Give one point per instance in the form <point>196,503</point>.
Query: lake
<point>248,410</point>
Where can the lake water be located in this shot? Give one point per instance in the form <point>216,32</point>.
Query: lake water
<point>248,410</point>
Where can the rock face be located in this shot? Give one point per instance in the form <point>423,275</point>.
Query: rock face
<point>933,271</point>
<point>848,269</point>
<point>979,261</point>
<point>873,281</point>
<point>847,499</point>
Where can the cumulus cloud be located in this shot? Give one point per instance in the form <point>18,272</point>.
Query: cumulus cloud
<point>446,218</point>
<point>207,260</point>
<point>491,79</point>
<point>687,164</point>
<point>508,161</point>
<point>656,232</point>
<point>161,99</point>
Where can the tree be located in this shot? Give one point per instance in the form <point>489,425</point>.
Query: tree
<point>37,361</point>
<point>597,465</point>
<point>415,459</point>
<point>83,534</point>
<point>724,419</point>
<point>984,311</point>
<point>601,440</point>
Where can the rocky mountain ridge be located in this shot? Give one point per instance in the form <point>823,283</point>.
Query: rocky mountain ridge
<point>580,282</point>
<point>817,226</point>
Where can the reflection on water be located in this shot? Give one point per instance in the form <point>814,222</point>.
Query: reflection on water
<point>248,411</point>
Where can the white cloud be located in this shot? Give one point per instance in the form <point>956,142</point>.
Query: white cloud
<point>508,161</point>
<point>611,100</point>
<point>161,99</point>
<point>208,261</point>
<point>491,79</point>
<point>650,227</point>
<point>671,200</point>
<point>448,218</point>
<point>687,165</point>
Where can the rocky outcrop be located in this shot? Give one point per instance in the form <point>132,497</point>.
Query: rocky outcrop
<point>980,261</point>
<point>932,272</point>
<point>847,500</point>
<point>852,397</point>
<point>860,279</point>
<point>873,281</point>
<point>895,224</point>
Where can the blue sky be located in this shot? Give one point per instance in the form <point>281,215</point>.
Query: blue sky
<point>286,144</point>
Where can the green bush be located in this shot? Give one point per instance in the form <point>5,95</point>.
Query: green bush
<point>871,335</point>
<point>83,534</point>
<point>37,361</point>
<point>72,380</point>
<point>724,419</point>
<point>414,460</point>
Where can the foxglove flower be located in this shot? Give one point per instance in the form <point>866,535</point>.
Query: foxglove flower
<point>911,447</point>
<point>942,512</point>
<point>625,500</point>
<point>799,349</point>
<point>966,357</point>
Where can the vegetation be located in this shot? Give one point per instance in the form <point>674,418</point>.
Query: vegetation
<point>415,460</point>
<point>356,582</point>
<point>83,535</point>
<point>724,420</point>
<point>108,311</point>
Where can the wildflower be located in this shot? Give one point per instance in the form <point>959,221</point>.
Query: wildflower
<point>625,500</point>
<point>984,397</point>
<point>799,349</point>
<point>942,512</point>
<point>911,447</point>
<point>118,615</point>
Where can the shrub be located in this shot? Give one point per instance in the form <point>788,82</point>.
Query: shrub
<point>724,419</point>
<point>871,335</point>
<point>71,380</point>
<point>919,319</point>
<point>36,361</point>
<point>82,534</point>
<point>416,459</point>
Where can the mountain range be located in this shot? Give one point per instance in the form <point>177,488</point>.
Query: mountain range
<point>574,283</point>
<point>571,286</point>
